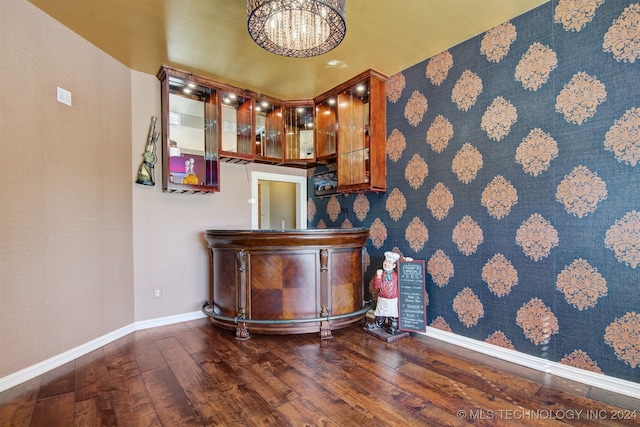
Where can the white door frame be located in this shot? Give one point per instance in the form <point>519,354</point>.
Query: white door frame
<point>301,195</point>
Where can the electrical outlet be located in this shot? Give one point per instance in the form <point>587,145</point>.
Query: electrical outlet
<point>157,293</point>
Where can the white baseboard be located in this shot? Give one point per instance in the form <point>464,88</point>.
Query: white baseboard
<point>169,320</point>
<point>605,382</point>
<point>43,367</point>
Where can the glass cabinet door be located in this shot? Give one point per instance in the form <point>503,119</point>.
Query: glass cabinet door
<point>353,134</point>
<point>237,131</point>
<point>326,128</point>
<point>299,130</point>
<point>189,133</point>
<point>269,129</point>
<point>351,124</point>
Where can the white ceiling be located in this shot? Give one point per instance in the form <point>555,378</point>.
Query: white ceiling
<point>210,38</point>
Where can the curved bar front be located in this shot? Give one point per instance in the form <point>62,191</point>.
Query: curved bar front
<point>275,280</point>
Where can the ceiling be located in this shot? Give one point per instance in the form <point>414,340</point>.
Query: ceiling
<point>210,38</point>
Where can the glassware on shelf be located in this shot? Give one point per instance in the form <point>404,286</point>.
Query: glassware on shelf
<point>189,175</point>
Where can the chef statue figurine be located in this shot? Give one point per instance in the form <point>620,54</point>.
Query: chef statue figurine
<point>386,282</point>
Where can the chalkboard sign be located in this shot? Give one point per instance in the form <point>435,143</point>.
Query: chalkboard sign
<point>411,301</point>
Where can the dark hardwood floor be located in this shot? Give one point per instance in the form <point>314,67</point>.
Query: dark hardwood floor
<point>195,374</point>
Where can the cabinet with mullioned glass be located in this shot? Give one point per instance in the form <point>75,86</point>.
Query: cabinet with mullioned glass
<point>269,129</point>
<point>326,127</point>
<point>189,104</point>
<point>205,122</point>
<point>351,128</point>
<point>299,129</point>
<point>236,118</point>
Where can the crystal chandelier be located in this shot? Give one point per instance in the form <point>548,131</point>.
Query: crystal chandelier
<point>297,28</point>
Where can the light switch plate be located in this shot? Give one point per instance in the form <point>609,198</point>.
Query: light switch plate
<point>63,96</point>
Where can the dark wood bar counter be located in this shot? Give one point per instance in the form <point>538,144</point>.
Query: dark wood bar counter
<point>286,282</point>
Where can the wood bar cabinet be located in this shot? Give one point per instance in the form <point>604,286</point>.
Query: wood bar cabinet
<point>286,282</point>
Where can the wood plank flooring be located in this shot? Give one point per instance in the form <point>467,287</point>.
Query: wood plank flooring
<point>194,374</point>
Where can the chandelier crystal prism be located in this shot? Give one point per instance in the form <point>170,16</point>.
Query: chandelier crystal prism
<point>297,28</point>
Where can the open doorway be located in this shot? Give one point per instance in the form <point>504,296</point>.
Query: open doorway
<point>278,198</point>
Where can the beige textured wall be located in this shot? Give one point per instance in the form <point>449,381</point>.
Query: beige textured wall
<point>66,252</point>
<point>170,251</point>
<point>81,245</point>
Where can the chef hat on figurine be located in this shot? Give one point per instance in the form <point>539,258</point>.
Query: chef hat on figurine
<point>391,256</point>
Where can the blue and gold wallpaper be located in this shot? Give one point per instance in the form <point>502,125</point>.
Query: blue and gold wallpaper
<point>513,170</point>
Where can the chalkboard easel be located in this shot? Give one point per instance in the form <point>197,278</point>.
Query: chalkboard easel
<point>412,312</point>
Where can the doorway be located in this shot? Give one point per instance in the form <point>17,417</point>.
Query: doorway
<point>278,198</point>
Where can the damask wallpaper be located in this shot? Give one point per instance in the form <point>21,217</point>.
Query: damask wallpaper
<point>513,171</point>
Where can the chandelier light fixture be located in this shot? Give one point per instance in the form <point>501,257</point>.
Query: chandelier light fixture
<point>297,28</point>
